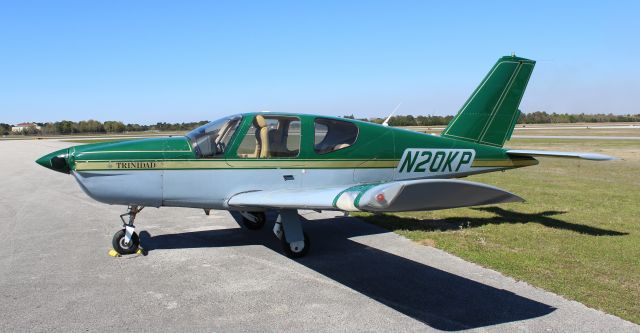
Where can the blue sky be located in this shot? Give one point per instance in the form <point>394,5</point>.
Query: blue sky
<point>174,61</point>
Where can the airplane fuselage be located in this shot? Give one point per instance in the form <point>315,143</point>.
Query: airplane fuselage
<point>168,171</point>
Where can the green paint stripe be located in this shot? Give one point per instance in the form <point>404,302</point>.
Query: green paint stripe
<point>335,200</point>
<point>253,160</point>
<point>236,168</point>
<point>274,160</point>
<point>357,188</point>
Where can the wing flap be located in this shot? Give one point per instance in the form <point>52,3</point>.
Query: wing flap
<point>317,198</point>
<point>586,156</point>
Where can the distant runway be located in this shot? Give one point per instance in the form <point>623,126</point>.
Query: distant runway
<point>520,127</point>
<point>569,127</point>
<point>576,137</point>
<point>205,274</point>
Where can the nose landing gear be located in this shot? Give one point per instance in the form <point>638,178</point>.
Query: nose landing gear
<point>126,240</point>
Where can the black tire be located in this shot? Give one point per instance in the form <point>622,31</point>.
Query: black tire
<point>296,254</point>
<point>120,247</point>
<point>262,219</point>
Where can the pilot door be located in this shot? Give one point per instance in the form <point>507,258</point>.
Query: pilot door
<point>266,153</point>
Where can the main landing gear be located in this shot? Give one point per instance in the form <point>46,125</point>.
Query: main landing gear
<point>288,229</point>
<point>126,241</point>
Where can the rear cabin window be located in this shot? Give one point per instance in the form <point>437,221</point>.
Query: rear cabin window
<point>271,137</point>
<point>332,135</point>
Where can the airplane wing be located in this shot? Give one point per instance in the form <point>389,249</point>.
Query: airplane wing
<point>395,196</point>
<point>586,156</point>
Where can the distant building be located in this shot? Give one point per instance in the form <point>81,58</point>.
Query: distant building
<point>21,127</point>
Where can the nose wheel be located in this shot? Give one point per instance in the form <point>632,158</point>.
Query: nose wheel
<point>122,246</point>
<point>126,240</point>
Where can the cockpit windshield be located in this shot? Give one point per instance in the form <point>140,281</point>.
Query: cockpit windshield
<point>211,140</point>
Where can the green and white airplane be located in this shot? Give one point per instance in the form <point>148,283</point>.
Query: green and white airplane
<point>254,162</point>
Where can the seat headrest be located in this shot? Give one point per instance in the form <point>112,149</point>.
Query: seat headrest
<point>260,121</point>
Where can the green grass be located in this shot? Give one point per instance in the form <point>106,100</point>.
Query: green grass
<point>577,235</point>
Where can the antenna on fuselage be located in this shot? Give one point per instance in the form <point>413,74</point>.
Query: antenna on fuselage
<point>386,121</point>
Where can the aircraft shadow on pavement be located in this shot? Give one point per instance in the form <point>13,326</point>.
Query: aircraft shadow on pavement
<point>435,297</point>
<point>501,216</point>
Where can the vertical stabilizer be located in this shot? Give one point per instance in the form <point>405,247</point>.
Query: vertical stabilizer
<point>490,114</point>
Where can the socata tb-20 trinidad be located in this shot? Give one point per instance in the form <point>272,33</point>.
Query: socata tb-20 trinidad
<point>254,162</point>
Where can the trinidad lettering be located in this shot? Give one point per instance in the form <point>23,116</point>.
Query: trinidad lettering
<point>135,165</point>
<point>436,161</point>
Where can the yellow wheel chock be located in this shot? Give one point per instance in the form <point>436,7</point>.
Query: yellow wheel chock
<point>142,251</point>
<point>115,254</point>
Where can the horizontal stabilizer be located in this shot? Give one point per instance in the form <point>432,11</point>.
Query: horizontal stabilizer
<point>586,156</point>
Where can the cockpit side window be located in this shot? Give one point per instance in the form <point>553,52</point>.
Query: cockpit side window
<point>332,135</point>
<point>211,140</point>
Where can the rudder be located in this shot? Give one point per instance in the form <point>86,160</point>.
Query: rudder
<point>490,114</point>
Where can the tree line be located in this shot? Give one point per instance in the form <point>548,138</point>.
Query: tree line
<point>114,127</point>
<point>65,127</point>
<point>538,117</point>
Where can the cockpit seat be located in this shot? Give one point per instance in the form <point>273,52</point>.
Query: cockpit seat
<point>262,137</point>
<point>276,146</point>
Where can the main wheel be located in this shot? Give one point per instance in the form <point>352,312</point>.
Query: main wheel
<point>296,252</point>
<point>123,248</point>
<point>261,220</point>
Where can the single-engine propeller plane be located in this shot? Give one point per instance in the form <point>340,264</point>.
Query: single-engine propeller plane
<point>254,162</point>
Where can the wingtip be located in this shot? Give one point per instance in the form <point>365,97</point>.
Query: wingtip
<point>515,198</point>
<point>599,157</point>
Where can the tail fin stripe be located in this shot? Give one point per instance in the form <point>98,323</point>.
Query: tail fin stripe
<point>516,115</point>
